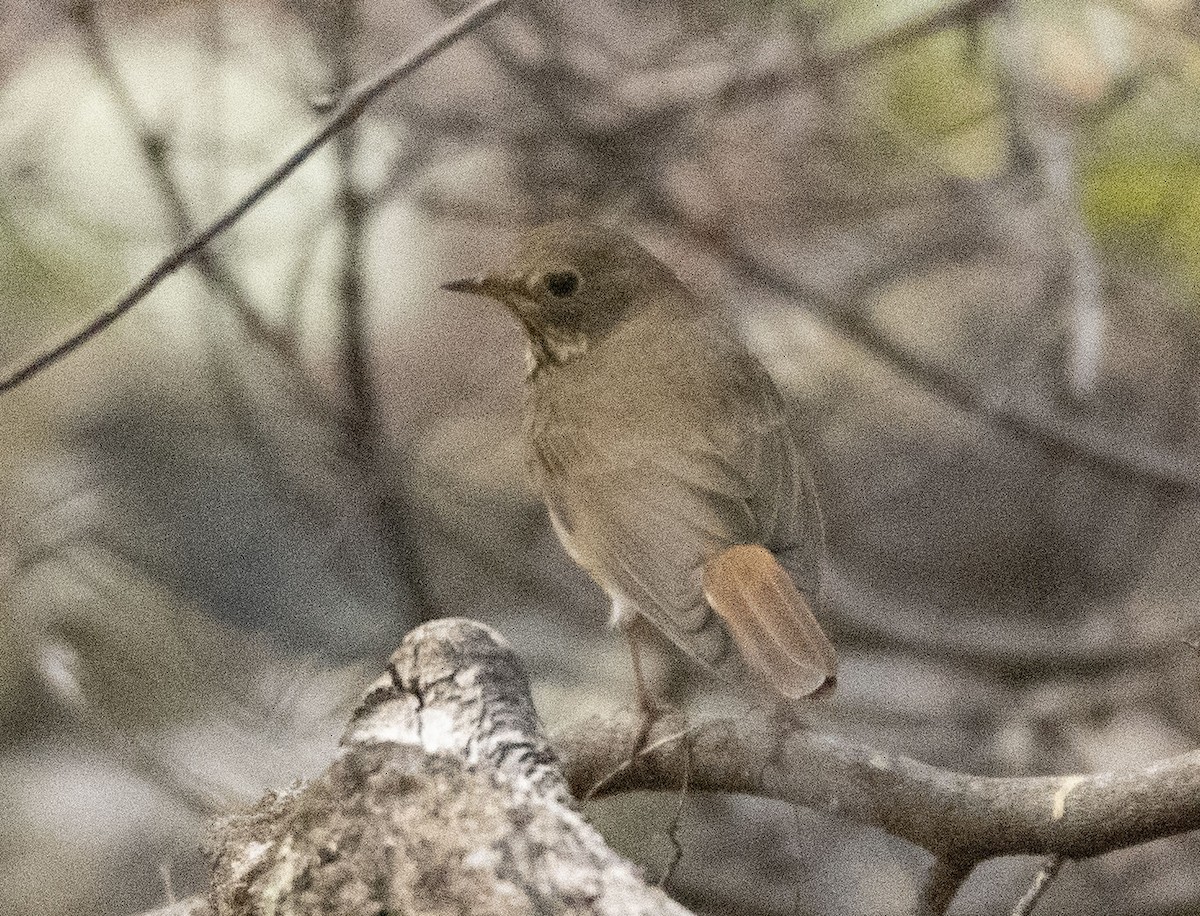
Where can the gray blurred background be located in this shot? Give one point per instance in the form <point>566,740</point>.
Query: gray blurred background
<point>965,237</point>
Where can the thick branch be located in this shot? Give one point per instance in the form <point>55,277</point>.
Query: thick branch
<point>347,112</point>
<point>955,816</point>
<point>445,798</point>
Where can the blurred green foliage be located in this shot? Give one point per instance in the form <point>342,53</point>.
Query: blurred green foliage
<point>1124,79</point>
<point>1143,203</point>
<point>941,96</point>
<point>1140,176</point>
<point>37,280</point>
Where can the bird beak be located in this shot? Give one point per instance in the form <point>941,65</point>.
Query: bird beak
<point>492,286</point>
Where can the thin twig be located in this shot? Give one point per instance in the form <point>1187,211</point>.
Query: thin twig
<point>279,341</point>
<point>1043,879</point>
<point>604,782</point>
<point>940,885</point>
<point>516,65</point>
<point>797,889</point>
<point>153,148</point>
<point>346,113</point>
<point>673,829</point>
<point>164,872</point>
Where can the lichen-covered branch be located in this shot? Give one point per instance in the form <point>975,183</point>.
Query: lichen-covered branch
<point>445,798</point>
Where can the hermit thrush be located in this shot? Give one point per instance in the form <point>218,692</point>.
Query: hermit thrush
<point>664,455</point>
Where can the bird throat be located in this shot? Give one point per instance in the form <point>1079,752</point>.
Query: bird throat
<point>552,347</point>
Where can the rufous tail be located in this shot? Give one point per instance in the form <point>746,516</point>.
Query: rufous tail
<point>770,621</point>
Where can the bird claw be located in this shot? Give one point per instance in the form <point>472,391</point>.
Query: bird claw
<point>651,711</point>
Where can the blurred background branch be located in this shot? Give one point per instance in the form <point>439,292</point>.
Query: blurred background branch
<point>962,235</point>
<point>1042,880</point>
<point>156,156</point>
<point>348,110</point>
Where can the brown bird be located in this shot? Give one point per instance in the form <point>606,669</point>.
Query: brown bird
<point>665,457</point>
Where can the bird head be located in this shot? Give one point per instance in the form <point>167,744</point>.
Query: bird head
<point>570,284</point>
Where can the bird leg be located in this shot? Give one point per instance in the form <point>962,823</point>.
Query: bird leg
<point>652,709</point>
<point>646,702</point>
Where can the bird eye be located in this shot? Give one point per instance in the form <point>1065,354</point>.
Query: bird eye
<point>561,283</point>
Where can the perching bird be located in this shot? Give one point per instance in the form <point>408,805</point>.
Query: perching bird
<point>664,454</point>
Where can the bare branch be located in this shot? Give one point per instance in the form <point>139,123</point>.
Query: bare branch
<point>152,146</point>
<point>363,426</point>
<point>347,112</point>
<point>956,816</point>
<point>601,786</point>
<point>941,884</point>
<point>452,721</point>
<point>756,86</point>
<point>1043,879</point>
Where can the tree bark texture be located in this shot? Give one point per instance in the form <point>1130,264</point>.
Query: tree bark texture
<point>445,798</point>
<point>957,816</point>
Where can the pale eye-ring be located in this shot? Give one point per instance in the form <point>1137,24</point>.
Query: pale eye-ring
<point>561,283</point>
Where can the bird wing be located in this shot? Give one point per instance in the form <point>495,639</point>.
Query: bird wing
<point>644,505</point>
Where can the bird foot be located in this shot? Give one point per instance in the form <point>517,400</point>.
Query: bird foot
<point>651,711</point>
